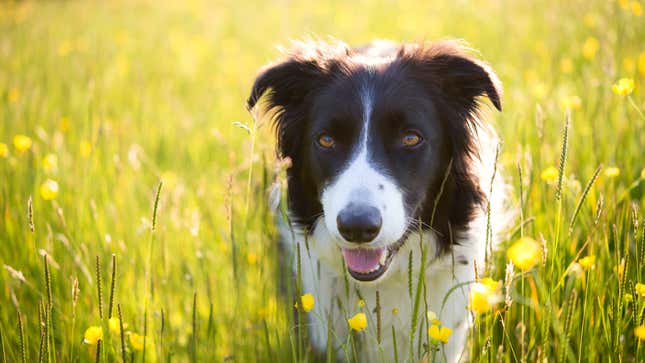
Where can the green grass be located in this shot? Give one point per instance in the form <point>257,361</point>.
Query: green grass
<point>154,89</point>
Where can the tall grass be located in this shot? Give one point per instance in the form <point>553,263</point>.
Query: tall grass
<point>120,97</point>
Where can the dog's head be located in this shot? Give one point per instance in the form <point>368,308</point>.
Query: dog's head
<point>381,141</point>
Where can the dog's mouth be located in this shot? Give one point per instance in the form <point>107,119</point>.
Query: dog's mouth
<point>368,264</point>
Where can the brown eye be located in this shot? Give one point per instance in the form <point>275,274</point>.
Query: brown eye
<point>411,138</point>
<point>326,141</point>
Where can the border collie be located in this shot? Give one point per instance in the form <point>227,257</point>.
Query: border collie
<point>390,161</point>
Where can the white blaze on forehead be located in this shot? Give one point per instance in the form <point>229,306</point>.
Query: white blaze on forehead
<point>362,183</point>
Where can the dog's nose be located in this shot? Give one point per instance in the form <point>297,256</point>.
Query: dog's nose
<point>359,223</point>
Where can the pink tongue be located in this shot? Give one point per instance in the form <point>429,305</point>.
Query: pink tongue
<point>362,260</point>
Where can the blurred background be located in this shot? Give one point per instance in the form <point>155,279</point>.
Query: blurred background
<point>102,101</point>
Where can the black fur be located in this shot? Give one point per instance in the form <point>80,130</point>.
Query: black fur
<point>433,88</point>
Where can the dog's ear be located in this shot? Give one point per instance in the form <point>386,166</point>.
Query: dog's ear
<point>459,77</point>
<point>288,82</point>
<point>288,86</point>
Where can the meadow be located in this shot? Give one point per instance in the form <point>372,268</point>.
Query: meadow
<point>134,184</point>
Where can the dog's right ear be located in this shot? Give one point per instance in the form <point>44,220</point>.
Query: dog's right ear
<point>288,83</point>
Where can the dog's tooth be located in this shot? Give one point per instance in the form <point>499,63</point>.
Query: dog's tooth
<point>384,257</point>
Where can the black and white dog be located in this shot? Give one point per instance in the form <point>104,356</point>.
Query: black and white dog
<point>390,157</point>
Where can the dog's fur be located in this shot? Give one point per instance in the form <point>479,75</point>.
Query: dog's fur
<point>432,196</point>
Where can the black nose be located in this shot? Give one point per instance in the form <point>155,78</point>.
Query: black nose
<point>359,223</point>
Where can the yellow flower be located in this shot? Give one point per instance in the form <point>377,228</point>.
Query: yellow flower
<point>566,65</point>
<point>525,253</point>
<point>92,335</point>
<point>643,173</point>
<point>358,322</point>
<point>14,95</point>
<point>361,303</point>
<point>50,163</point>
<point>49,189</point>
<point>628,65</point>
<point>136,341</point>
<point>85,148</point>
<point>115,325</point>
<point>308,302</point>
<point>587,262</point>
<point>4,150</point>
<point>395,311</point>
<point>590,20</point>
<point>549,174</point>
<point>637,9</point>
<point>432,317</point>
<point>590,48</point>
<point>612,172</point>
<point>63,124</point>
<point>252,258</point>
<point>641,63</point>
<point>627,298</point>
<point>572,103</point>
<point>623,87</point>
<point>439,334</point>
<point>640,289</point>
<point>623,3</point>
<point>22,143</point>
<point>483,295</point>
<point>639,332</point>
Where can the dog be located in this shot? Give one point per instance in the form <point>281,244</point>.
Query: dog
<point>393,172</point>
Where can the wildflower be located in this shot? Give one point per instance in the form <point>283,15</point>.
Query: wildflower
<point>590,48</point>
<point>612,172</point>
<point>22,143</point>
<point>308,302</point>
<point>440,334</point>
<point>115,325</point>
<point>49,189</point>
<point>252,258</point>
<point>643,173</point>
<point>628,65</point>
<point>483,295</point>
<point>627,298</point>
<point>50,163</point>
<point>395,311</point>
<point>566,65</point>
<point>590,20</point>
<point>525,253</point>
<point>136,341</point>
<point>623,87</point>
<point>4,150</point>
<point>587,262</point>
<point>85,148</point>
<point>572,103</point>
<point>640,289</point>
<point>358,322</point>
<point>549,174</point>
<point>92,335</point>
<point>63,124</point>
<point>636,8</point>
<point>14,95</point>
<point>641,63</point>
<point>432,317</point>
<point>361,303</point>
<point>639,332</point>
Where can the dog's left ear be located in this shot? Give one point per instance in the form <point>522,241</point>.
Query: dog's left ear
<point>461,78</point>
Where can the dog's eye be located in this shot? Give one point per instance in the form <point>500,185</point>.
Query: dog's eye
<point>326,141</point>
<point>411,138</point>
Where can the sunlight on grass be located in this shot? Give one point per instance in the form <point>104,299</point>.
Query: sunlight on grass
<point>123,132</point>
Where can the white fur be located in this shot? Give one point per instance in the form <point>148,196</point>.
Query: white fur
<point>361,182</point>
<point>324,277</point>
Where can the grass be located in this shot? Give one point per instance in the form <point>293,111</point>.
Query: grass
<point>130,96</point>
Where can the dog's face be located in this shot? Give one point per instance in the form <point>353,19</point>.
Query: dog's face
<point>371,139</point>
